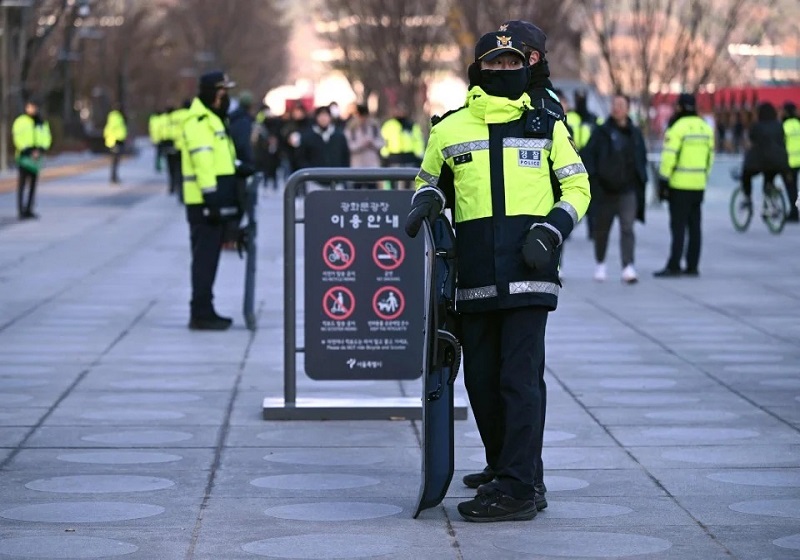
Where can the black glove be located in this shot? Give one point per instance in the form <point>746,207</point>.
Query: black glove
<point>540,246</point>
<point>242,239</point>
<point>663,189</point>
<point>426,205</point>
<point>244,169</point>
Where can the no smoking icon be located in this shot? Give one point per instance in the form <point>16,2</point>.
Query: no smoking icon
<point>388,252</point>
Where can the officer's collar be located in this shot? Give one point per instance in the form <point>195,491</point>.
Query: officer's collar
<point>493,109</point>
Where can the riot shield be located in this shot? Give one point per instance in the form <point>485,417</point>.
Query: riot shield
<point>441,361</point>
<point>248,242</point>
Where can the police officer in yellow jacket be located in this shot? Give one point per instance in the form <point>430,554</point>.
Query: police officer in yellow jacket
<point>686,160</point>
<point>209,192</point>
<point>32,138</point>
<point>114,134</point>
<point>491,162</point>
<point>791,132</point>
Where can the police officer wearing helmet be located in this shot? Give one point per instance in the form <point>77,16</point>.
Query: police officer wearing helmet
<point>491,163</point>
<point>209,191</point>
<point>686,160</point>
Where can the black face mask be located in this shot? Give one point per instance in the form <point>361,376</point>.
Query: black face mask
<point>224,105</point>
<point>505,83</point>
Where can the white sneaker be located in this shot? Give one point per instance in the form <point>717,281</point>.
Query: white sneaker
<point>600,272</point>
<point>629,275</point>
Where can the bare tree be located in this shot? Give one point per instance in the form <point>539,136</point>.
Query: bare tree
<point>387,46</point>
<point>646,45</point>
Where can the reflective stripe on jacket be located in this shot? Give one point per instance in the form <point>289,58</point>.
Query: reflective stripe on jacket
<point>688,153</point>
<point>207,153</point>
<point>499,180</point>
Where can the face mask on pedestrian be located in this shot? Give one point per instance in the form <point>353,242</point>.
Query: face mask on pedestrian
<point>224,104</point>
<point>505,83</point>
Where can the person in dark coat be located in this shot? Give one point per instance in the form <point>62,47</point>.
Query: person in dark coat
<point>323,144</point>
<point>241,123</point>
<point>767,152</point>
<point>616,160</point>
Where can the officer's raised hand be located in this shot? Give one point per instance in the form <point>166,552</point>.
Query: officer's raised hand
<point>427,203</point>
<point>540,246</point>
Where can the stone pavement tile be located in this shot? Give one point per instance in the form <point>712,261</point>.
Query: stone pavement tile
<point>790,413</point>
<point>247,528</point>
<point>314,434</point>
<point>92,461</point>
<point>12,437</point>
<point>704,435</point>
<point>734,509</point>
<point>530,540</point>
<point>775,397</point>
<point>761,541</point>
<point>96,541</point>
<point>135,414</point>
<point>326,483</point>
<point>557,458</point>
<point>659,394</point>
<point>137,436</point>
<point>21,416</point>
<point>402,459</point>
<point>742,483</point>
<point>205,382</point>
<point>744,455</point>
<point>561,430</point>
<point>719,413</point>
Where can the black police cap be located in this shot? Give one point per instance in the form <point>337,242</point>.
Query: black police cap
<point>687,101</point>
<point>215,80</point>
<point>527,33</point>
<point>494,44</point>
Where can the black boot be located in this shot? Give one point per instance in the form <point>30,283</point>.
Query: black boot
<point>477,479</point>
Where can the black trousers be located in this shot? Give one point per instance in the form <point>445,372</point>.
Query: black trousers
<point>791,189</point>
<point>116,154</point>
<point>26,185</point>
<point>174,170</point>
<point>206,240</point>
<point>504,375</point>
<point>685,216</point>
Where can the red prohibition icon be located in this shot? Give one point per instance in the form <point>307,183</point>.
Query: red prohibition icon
<point>338,253</point>
<point>388,303</point>
<point>338,303</point>
<point>388,252</point>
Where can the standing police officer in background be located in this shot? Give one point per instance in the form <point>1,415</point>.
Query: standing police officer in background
<point>32,138</point>
<point>209,192</point>
<point>491,162</point>
<point>791,131</point>
<point>114,133</point>
<point>686,160</point>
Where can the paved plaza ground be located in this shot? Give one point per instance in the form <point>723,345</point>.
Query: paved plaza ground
<point>673,425</point>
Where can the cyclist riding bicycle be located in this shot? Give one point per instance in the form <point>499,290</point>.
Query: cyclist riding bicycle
<point>767,152</point>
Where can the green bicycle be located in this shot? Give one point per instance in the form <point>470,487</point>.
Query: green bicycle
<point>773,206</point>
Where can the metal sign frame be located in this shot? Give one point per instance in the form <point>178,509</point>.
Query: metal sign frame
<point>290,407</point>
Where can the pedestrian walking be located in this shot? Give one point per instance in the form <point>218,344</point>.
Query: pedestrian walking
<point>209,192</point>
<point>323,144</point>
<point>491,161</point>
<point>686,160</point>
<point>114,133</point>
<point>364,141</point>
<point>616,159</point>
<point>791,131</point>
<point>31,134</point>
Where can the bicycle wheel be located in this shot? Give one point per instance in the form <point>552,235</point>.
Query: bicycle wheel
<point>741,210</point>
<point>774,209</point>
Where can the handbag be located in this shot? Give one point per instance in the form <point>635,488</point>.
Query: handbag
<point>30,164</point>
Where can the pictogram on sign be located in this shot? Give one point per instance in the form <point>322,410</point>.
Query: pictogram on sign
<point>338,253</point>
<point>338,303</point>
<point>388,252</point>
<point>388,303</point>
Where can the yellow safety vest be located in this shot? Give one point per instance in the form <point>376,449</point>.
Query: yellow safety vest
<point>207,153</point>
<point>115,129</point>
<point>791,130</point>
<point>401,141</point>
<point>27,134</point>
<point>688,153</point>
<point>500,181</point>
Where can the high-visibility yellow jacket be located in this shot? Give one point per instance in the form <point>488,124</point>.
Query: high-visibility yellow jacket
<point>688,153</point>
<point>176,120</point>
<point>29,135</point>
<point>496,176</point>
<point>581,131</point>
<point>207,153</point>
<point>791,130</point>
<point>402,144</point>
<point>154,127</point>
<point>115,130</point>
